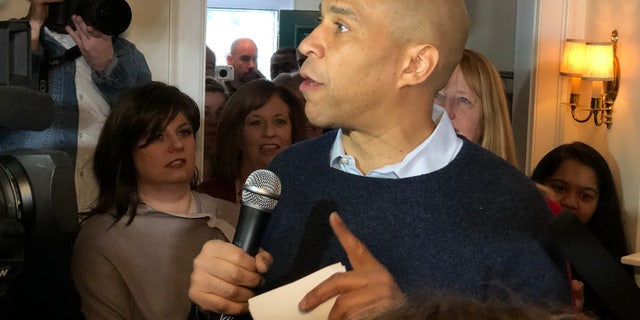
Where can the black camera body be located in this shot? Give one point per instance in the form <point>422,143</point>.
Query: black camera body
<point>111,17</point>
<point>38,226</point>
<point>38,209</point>
<point>15,39</point>
<point>37,204</point>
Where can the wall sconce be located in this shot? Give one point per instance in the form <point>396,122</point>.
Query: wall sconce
<point>596,62</point>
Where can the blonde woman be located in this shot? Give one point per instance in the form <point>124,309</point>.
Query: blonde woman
<point>476,104</point>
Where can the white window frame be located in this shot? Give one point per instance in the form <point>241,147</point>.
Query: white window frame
<point>252,4</point>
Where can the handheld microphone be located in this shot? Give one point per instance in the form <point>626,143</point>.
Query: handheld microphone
<point>260,195</point>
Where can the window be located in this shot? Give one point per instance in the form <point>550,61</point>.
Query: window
<point>257,20</point>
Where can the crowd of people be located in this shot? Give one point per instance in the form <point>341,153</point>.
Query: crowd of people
<point>399,163</point>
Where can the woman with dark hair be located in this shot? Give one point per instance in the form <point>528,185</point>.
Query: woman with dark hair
<point>259,121</point>
<point>133,255</point>
<point>581,182</point>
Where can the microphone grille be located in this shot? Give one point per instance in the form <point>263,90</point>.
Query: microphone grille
<point>261,190</point>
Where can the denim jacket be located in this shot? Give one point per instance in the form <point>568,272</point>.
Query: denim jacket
<point>128,69</point>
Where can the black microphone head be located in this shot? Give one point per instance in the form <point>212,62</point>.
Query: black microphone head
<point>261,190</point>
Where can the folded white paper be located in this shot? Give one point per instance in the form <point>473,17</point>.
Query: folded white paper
<point>282,302</point>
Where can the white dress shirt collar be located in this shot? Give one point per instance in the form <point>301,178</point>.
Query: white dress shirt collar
<point>440,148</point>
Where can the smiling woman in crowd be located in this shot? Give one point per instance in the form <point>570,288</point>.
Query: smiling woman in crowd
<point>259,121</point>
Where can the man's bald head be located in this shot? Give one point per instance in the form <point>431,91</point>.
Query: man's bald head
<point>243,56</point>
<point>242,43</point>
<point>441,23</point>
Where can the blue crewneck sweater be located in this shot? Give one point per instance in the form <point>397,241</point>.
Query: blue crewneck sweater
<point>468,229</point>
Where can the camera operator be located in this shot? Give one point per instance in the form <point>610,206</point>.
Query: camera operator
<point>83,66</point>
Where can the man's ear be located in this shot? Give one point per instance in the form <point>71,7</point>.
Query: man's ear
<point>229,60</point>
<point>420,62</point>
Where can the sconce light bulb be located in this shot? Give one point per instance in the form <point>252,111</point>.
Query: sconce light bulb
<point>596,89</point>
<point>575,84</point>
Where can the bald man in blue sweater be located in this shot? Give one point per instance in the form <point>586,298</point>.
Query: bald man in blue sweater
<point>420,208</point>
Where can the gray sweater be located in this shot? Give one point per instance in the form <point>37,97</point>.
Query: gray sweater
<point>141,271</point>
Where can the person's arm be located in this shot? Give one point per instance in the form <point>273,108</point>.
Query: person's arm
<point>127,69</point>
<point>223,275</point>
<point>38,13</point>
<point>116,64</point>
<point>368,290</point>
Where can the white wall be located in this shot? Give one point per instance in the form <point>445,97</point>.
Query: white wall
<point>273,4</point>
<point>12,9</point>
<point>252,4</point>
<point>620,143</point>
<point>493,28</point>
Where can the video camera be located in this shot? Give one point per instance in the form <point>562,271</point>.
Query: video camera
<point>111,17</point>
<point>38,210</point>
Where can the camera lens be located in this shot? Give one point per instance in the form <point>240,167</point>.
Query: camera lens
<point>35,249</point>
<point>222,73</point>
<point>15,190</point>
<point>111,17</point>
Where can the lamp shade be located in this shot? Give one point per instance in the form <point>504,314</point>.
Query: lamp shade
<point>599,62</point>
<point>573,58</point>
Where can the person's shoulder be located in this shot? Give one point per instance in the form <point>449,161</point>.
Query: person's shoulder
<point>481,158</point>
<point>120,40</point>
<point>208,203</point>
<point>96,232</point>
<point>96,221</point>
<point>218,210</point>
<point>203,197</point>
<point>476,164</point>
<point>508,185</point>
<point>122,46</point>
